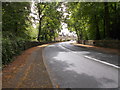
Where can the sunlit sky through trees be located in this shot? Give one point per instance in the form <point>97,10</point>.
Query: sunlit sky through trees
<point>64,30</point>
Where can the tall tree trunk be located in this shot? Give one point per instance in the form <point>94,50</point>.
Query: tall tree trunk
<point>39,31</point>
<point>40,19</point>
<point>114,28</point>
<point>45,37</point>
<point>81,35</point>
<point>104,32</point>
<point>107,19</point>
<point>78,35</point>
<point>54,35</point>
<point>97,29</point>
<point>118,21</point>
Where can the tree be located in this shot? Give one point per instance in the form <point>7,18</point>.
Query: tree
<point>15,17</point>
<point>94,20</point>
<point>49,20</point>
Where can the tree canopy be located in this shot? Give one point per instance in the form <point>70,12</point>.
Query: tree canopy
<point>49,20</point>
<point>94,20</point>
<point>15,18</point>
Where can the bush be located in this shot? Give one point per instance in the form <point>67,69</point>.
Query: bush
<point>12,45</point>
<point>11,48</point>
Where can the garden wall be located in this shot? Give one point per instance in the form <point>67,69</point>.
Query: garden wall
<point>102,43</point>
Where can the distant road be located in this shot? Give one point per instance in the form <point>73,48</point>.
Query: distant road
<point>70,66</point>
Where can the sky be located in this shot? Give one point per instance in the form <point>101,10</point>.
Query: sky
<point>66,31</point>
<point>64,25</point>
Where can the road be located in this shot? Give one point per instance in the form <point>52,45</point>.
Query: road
<point>75,67</point>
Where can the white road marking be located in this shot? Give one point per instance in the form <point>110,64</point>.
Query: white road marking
<point>103,62</point>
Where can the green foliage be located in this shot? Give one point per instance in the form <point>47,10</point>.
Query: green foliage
<point>94,20</point>
<point>16,27</point>
<point>32,33</point>
<point>11,48</point>
<point>49,21</point>
<point>15,16</point>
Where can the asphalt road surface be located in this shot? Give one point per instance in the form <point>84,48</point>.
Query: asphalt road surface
<point>70,66</point>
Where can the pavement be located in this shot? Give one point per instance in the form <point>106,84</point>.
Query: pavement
<point>71,66</point>
<point>27,71</point>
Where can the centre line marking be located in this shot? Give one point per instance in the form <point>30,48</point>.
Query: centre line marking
<point>102,62</point>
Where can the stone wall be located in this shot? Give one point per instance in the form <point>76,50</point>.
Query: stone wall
<point>102,43</point>
<point>35,43</point>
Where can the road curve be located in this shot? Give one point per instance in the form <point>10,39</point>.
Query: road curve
<point>68,67</point>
